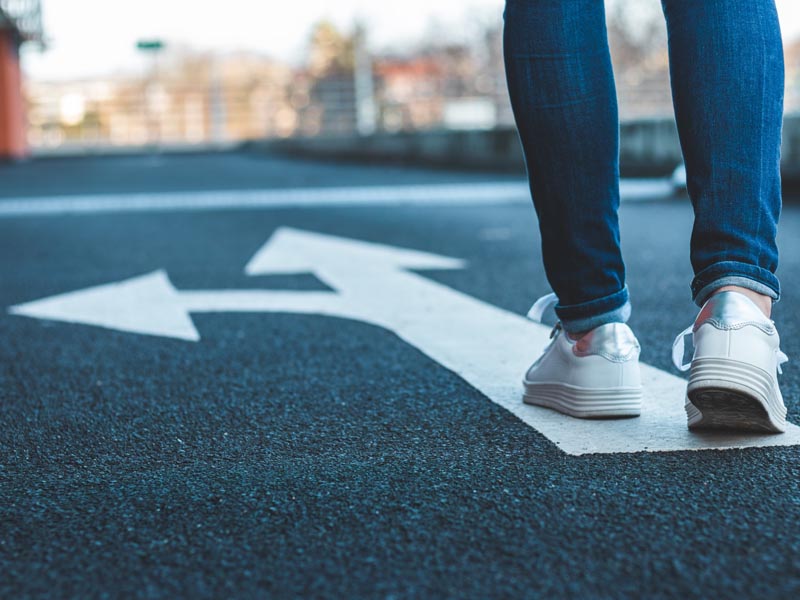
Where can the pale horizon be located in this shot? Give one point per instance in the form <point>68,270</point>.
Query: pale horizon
<point>77,51</point>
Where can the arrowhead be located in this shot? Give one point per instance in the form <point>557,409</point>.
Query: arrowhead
<point>296,251</point>
<point>148,304</point>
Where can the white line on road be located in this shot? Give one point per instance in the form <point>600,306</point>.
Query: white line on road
<point>458,194</point>
<point>488,347</point>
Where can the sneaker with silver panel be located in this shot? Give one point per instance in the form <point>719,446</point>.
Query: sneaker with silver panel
<point>733,372</point>
<point>594,377</point>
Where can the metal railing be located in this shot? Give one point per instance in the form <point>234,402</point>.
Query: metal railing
<point>172,109</point>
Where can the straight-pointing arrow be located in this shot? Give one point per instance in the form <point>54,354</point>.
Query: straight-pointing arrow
<point>488,347</point>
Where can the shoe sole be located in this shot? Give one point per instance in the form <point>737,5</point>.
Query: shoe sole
<point>585,403</point>
<point>735,396</point>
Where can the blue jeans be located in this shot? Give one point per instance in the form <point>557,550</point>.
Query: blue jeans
<point>727,75</point>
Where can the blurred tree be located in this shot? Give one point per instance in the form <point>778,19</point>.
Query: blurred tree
<point>638,41</point>
<point>636,32</point>
<point>330,51</point>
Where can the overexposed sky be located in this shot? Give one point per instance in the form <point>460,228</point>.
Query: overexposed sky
<point>98,37</point>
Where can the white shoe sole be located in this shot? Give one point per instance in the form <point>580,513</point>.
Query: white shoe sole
<point>732,395</point>
<point>585,403</point>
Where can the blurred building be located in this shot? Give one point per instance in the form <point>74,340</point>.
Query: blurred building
<point>792,60</point>
<point>638,42</point>
<point>327,84</point>
<point>20,22</point>
<point>190,97</point>
<point>409,93</point>
<point>493,75</point>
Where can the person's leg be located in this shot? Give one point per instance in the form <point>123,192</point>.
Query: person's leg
<point>561,85</point>
<point>562,92</point>
<point>726,66</point>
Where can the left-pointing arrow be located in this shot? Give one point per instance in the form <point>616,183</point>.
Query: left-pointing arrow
<point>150,305</point>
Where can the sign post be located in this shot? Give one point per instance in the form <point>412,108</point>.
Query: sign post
<point>153,48</point>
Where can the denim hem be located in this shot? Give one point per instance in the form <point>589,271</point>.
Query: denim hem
<point>575,317</point>
<point>732,272</point>
<point>618,315</point>
<point>745,282</point>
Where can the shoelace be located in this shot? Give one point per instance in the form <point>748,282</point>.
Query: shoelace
<point>679,346</point>
<point>541,305</point>
<point>536,313</point>
<point>678,349</point>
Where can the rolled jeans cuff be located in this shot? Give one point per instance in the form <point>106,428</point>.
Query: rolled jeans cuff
<point>731,272</point>
<point>615,308</point>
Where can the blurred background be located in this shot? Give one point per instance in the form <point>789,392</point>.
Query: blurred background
<point>101,75</point>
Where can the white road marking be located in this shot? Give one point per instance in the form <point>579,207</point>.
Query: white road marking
<point>488,347</point>
<point>459,194</point>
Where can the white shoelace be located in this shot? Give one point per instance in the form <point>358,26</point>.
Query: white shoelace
<point>541,305</point>
<point>679,347</point>
<point>536,312</point>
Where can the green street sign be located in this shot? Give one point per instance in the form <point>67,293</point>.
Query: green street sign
<point>150,45</point>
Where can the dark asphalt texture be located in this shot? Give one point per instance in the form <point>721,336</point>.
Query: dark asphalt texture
<point>291,456</point>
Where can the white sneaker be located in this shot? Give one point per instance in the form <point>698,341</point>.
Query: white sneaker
<point>594,377</point>
<point>733,378</point>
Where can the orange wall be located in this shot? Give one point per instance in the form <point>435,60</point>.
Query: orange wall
<point>12,115</point>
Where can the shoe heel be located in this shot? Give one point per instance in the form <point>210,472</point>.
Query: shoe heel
<point>732,395</point>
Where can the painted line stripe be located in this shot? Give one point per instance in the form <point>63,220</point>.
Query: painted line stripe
<point>461,194</point>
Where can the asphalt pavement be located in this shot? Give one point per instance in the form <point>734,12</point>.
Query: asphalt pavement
<point>308,456</point>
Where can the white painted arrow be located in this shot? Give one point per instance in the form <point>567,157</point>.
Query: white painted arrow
<point>488,347</point>
<point>150,305</point>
